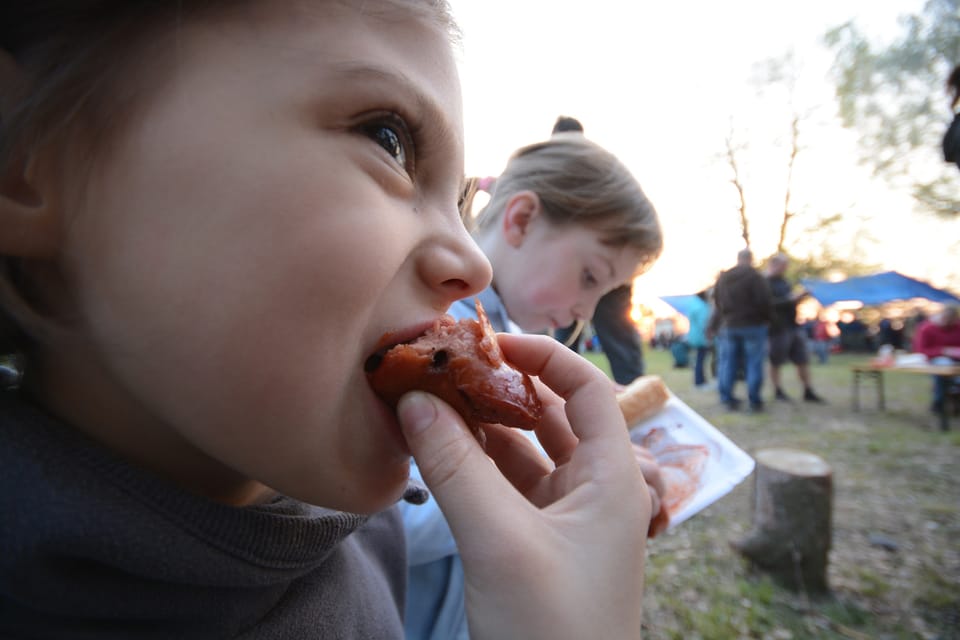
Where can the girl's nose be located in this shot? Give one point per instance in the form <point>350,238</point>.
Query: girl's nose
<point>582,311</point>
<point>454,267</point>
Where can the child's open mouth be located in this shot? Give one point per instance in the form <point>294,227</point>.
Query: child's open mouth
<point>461,363</point>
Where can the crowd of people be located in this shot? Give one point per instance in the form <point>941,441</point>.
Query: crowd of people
<point>753,323</point>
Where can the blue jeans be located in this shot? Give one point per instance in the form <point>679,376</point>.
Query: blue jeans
<point>942,383</point>
<point>736,346</point>
<point>699,372</point>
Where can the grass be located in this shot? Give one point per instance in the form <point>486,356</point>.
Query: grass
<point>895,476</point>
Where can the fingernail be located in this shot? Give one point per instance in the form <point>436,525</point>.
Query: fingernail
<point>416,411</point>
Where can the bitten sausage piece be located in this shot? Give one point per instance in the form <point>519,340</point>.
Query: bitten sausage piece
<point>461,363</point>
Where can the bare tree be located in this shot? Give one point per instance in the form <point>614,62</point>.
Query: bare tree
<point>731,156</point>
<point>813,234</point>
<point>788,214</point>
<point>784,71</point>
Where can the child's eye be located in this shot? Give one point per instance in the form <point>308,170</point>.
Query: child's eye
<point>588,280</point>
<point>392,134</point>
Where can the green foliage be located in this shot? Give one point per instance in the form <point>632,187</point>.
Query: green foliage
<point>894,96</point>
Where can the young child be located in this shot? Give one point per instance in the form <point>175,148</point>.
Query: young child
<point>210,212</point>
<point>565,224</point>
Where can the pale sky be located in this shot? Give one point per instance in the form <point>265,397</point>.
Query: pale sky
<point>660,85</point>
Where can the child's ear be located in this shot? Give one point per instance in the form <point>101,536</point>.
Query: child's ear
<point>520,210</point>
<point>27,218</point>
<point>30,221</point>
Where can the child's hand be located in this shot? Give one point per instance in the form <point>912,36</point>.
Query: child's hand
<point>548,552</point>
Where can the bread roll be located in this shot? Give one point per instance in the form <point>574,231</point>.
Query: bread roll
<point>643,398</point>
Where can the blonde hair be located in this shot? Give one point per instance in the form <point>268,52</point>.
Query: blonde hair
<point>578,182</point>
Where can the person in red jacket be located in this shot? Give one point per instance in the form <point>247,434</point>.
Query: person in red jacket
<point>939,340</point>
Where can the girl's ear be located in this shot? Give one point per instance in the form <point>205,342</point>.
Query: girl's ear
<point>519,212</point>
<point>28,225</point>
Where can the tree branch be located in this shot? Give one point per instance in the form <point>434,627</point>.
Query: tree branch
<point>794,150</point>
<point>738,184</point>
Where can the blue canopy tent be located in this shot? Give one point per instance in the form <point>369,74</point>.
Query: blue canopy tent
<point>876,289</point>
<point>682,304</point>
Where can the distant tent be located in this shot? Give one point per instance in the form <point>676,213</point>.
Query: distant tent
<point>876,289</point>
<point>683,304</point>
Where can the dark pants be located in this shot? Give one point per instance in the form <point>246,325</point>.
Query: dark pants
<point>700,366</point>
<point>942,384</point>
<point>617,333</point>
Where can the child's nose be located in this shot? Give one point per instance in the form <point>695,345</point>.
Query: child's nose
<point>582,311</point>
<point>455,267</point>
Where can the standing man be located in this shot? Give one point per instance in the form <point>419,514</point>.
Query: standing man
<point>742,314</point>
<point>787,338</point>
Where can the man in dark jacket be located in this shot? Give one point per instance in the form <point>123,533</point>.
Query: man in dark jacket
<point>787,339</point>
<point>744,309</point>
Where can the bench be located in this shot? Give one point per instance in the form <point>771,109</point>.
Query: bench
<point>874,372</point>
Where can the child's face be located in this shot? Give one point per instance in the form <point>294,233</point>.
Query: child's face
<point>557,275</point>
<point>287,197</point>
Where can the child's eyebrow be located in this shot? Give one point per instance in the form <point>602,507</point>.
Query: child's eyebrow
<point>427,110</point>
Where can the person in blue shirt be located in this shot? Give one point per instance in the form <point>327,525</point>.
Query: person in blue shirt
<point>565,224</point>
<point>699,317</point>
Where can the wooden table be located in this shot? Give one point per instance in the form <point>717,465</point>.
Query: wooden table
<point>875,372</point>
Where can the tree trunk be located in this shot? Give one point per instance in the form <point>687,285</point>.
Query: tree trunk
<point>793,495</point>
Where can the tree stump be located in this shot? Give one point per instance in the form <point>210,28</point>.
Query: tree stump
<point>792,503</point>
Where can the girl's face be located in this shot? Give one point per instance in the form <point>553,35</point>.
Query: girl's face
<point>286,197</point>
<point>548,276</point>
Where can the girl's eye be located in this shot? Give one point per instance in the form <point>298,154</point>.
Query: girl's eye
<point>392,134</point>
<point>588,280</point>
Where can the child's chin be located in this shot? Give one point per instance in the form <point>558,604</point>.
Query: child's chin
<point>380,493</point>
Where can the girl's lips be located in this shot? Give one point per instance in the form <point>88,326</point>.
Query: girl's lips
<point>556,324</point>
